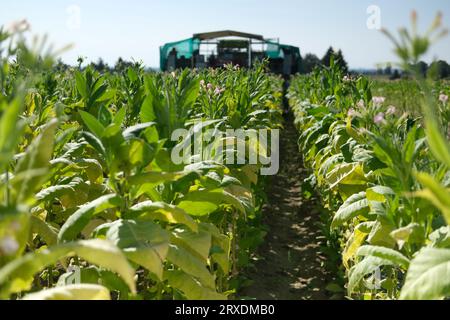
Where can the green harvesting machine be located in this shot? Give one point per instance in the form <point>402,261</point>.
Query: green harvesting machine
<point>215,49</point>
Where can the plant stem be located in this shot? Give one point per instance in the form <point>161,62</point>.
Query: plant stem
<point>7,188</point>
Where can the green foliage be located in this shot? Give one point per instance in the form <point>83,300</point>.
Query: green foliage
<point>72,292</point>
<point>89,193</point>
<point>382,171</point>
<point>428,276</point>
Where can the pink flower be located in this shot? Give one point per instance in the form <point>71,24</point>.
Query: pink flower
<point>209,86</point>
<point>391,110</point>
<point>360,104</point>
<point>19,26</point>
<point>362,131</point>
<point>236,67</point>
<point>378,100</point>
<point>379,118</point>
<point>219,90</point>
<point>351,112</point>
<point>8,245</point>
<point>443,98</point>
<point>15,226</point>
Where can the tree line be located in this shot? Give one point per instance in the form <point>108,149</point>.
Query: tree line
<point>101,66</point>
<point>437,70</point>
<point>310,61</point>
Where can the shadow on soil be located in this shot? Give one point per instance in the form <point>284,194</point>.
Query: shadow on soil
<point>289,265</point>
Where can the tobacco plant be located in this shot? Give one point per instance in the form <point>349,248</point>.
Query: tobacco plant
<point>371,162</point>
<point>92,205</point>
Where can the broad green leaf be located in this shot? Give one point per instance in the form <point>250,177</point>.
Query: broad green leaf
<point>155,177</point>
<point>198,243</point>
<point>240,196</point>
<point>191,265</point>
<point>33,167</point>
<point>120,115</point>
<point>191,288</point>
<point>132,74</point>
<point>428,276</point>
<point>366,266</point>
<point>409,145</point>
<point>10,131</point>
<point>72,292</point>
<point>93,124</point>
<point>189,93</point>
<point>104,115</point>
<point>440,238</point>
<point>95,142</point>
<point>140,153</point>
<point>379,193</point>
<point>50,193</point>
<point>14,231</point>
<point>152,136</point>
<point>378,208</point>
<point>143,242</point>
<point>203,202</point>
<point>347,173</point>
<point>437,194</point>
<point>199,203</point>
<point>355,241</point>
<point>354,206</point>
<point>164,212</point>
<point>98,90</point>
<point>136,130</point>
<point>413,233</point>
<point>81,218</point>
<point>438,144</point>
<point>147,113</point>
<point>222,242</point>
<point>384,253</point>
<point>380,235</point>
<point>95,275</point>
<point>326,165</point>
<point>48,233</point>
<point>93,170</point>
<point>81,84</point>
<point>18,275</point>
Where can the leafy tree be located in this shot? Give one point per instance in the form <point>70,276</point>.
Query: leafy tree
<point>340,61</point>
<point>122,65</point>
<point>395,75</point>
<point>379,70</point>
<point>309,62</point>
<point>421,68</point>
<point>327,57</point>
<point>61,66</point>
<point>100,65</point>
<point>439,70</point>
<point>388,70</point>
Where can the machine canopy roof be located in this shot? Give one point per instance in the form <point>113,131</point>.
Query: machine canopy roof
<point>226,33</point>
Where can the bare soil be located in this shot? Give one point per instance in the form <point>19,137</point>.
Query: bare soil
<point>289,265</point>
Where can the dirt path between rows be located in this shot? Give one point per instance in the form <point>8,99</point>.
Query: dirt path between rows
<point>289,264</point>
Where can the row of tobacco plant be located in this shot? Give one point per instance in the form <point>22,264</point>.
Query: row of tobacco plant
<point>383,173</point>
<point>91,204</point>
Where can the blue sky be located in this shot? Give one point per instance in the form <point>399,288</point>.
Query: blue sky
<point>136,28</point>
